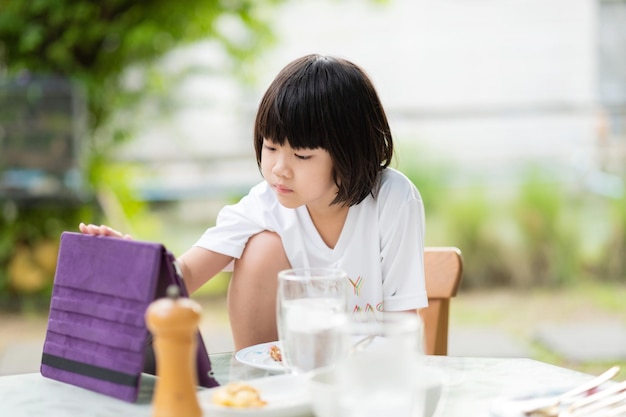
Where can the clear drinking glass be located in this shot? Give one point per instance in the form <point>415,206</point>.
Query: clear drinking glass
<point>311,311</point>
<point>379,375</point>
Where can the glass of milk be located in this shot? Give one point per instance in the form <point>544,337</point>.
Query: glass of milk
<point>311,311</point>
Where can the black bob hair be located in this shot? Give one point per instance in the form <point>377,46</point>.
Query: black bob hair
<point>330,103</point>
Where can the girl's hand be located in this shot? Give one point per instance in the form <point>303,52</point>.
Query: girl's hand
<point>101,230</point>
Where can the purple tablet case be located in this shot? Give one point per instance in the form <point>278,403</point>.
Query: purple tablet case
<point>97,337</point>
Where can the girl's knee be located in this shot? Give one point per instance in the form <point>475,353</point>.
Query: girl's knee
<point>265,239</point>
<point>265,248</point>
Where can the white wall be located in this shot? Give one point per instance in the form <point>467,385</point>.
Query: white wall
<point>440,54</point>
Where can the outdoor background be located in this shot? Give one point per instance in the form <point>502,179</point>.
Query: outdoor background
<point>509,116</point>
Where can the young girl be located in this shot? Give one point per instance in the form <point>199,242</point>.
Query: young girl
<point>323,146</point>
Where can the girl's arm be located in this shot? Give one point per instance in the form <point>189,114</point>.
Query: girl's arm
<point>199,265</point>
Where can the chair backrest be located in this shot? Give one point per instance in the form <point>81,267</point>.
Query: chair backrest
<point>443,268</point>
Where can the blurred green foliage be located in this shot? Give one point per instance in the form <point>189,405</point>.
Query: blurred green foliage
<point>535,231</point>
<point>28,250</point>
<point>615,246</point>
<point>94,44</point>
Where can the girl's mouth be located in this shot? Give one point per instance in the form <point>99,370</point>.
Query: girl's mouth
<point>281,189</point>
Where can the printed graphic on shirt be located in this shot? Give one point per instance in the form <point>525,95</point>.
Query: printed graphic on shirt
<point>368,308</point>
<point>356,285</point>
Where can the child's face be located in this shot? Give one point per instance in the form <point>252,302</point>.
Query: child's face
<point>298,177</point>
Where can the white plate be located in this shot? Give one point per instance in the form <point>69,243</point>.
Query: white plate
<point>286,396</point>
<point>258,356</point>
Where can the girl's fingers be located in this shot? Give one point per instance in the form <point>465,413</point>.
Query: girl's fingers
<point>112,232</point>
<point>89,229</point>
<point>93,229</point>
<point>101,230</point>
<point>107,231</point>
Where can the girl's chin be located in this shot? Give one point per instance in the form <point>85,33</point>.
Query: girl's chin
<point>288,203</point>
<point>290,206</point>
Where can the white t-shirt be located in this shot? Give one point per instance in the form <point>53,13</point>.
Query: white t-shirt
<point>381,246</point>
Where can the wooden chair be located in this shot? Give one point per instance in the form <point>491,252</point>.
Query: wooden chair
<point>443,267</point>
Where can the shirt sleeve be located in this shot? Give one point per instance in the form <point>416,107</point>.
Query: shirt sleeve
<point>402,223</point>
<point>236,223</point>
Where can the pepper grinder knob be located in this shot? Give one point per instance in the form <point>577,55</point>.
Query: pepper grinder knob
<point>173,321</point>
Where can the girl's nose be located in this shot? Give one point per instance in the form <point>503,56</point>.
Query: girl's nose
<point>280,168</point>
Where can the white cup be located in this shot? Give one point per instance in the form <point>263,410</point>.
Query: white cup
<point>325,391</point>
<point>380,375</point>
<point>311,312</point>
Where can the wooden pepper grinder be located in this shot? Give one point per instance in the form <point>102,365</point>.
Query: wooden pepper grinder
<point>173,321</point>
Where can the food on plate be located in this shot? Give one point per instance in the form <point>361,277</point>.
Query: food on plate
<point>275,353</point>
<point>238,395</point>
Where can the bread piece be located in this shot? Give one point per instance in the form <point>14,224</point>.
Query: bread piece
<point>238,395</point>
<point>275,353</point>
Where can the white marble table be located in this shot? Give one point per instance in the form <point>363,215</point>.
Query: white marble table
<point>474,384</point>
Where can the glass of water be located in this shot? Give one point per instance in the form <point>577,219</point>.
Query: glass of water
<point>311,310</point>
<point>379,375</point>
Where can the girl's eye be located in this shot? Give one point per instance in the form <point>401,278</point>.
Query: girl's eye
<point>269,148</point>
<point>302,157</point>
